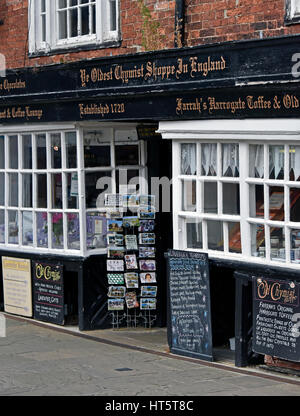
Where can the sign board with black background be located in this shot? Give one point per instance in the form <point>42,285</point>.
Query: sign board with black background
<point>48,292</point>
<point>276,318</point>
<point>189,315</point>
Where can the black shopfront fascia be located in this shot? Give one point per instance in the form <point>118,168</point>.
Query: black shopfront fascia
<point>246,79</point>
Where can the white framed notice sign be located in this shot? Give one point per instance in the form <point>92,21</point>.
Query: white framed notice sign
<point>17,286</point>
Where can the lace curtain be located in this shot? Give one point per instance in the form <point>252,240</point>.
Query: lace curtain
<point>188,159</point>
<point>209,159</point>
<point>295,161</point>
<point>230,160</point>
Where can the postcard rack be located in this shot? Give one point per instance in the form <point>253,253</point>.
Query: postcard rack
<point>131,260</point>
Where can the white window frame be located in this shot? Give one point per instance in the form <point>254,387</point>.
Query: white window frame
<point>244,132</point>
<point>80,169</point>
<point>292,14</point>
<point>103,35</point>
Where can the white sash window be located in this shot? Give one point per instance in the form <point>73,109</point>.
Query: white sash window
<point>59,24</point>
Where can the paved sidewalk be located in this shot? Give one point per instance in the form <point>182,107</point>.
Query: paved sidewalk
<point>154,341</point>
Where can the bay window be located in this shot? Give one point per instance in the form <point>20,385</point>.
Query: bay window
<point>53,182</point>
<point>236,189</point>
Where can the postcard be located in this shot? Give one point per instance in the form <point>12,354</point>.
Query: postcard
<point>133,221</point>
<point>148,291</point>
<point>147,238</point>
<point>116,292</point>
<point>115,252</point>
<point>146,226</point>
<point>113,200</point>
<point>149,277</point>
<point>147,252</point>
<point>131,242</point>
<point>131,300</point>
<point>112,213</point>
<point>115,239</point>
<point>132,280</point>
<point>147,265</point>
<point>115,278</point>
<point>115,304</point>
<point>115,265</point>
<point>115,225</point>
<point>131,262</point>
<point>148,303</point>
<point>146,213</point>
<point>130,200</point>
<point>147,200</point>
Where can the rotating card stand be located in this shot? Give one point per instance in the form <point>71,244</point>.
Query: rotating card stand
<point>134,317</point>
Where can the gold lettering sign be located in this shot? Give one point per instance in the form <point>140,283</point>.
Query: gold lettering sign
<point>102,109</point>
<point>151,71</point>
<point>47,272</point>
<point>11,86</point>
<point>26,113</point>
<point>212,105</point>
<point>275,291</point>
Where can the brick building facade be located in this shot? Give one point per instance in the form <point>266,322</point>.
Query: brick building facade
<point>217,80</point>
<point>205,22</point>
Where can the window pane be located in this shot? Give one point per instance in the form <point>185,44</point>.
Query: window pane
<point>85,20</point>
<point>215,235</point>
<point>188,159</point>
<point>230,160</point>
<point>96,185</point>
<point>231,198</point>
<point>42,229</point>
<point>294,160</point>
<point>193,233</point>
<point>72,189</point>
<point>56,190</point>
<point>113,15</point>
<point>71,150</point>
<point>41,191</point>
<point>127,155</point>
<point>27,151</point>
<point>2,189</point>
<point>57,230</point>
<point>27,229</point>
<point>256,161</point>
<point>189,195</point>
<point>256,200</point>
<point>276,203</point>
<point>2,226</point>
<point>13,189</point>
<point>41,155</point>
<point>277,241</point>
<point>13,227</point>
<point>73,231</point>
<point>62,25</point>
<point>2,158</point>
<point>96,230</point>
<point>209,159</point>
<point>96,155</point>
<point>295,246</point>
<point>211,197</point>
<point>13,152</point>
<point>234,243</point>
<point>123,177</point>
<point>55,151</point>
<point>276,162</point>
<point>258,240</point>
<point>27,190</point>
<point>295,204</point>
<point>73,21</point>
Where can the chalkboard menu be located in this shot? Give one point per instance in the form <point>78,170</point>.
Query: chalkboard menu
<point>189,315</point>
<point>48,292</point>
<point>276,318</point>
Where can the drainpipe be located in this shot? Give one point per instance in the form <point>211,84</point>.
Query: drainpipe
<point>179,23</point>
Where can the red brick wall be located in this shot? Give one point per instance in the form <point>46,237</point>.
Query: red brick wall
<point>206,21</point>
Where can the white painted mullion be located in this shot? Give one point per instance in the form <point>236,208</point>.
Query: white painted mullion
<point>6,196</point>
<point>81,189</point>
<point>225,237</point>
<point>178,229</point>
<point>245,228</point>
<point>20,190</point>
<point>113,162</point>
